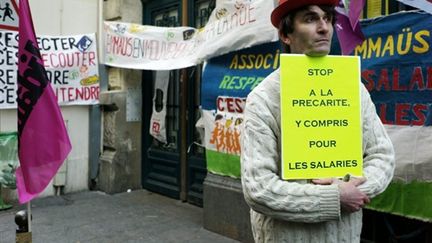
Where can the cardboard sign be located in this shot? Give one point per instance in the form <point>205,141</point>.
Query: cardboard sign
<point>320,117</point>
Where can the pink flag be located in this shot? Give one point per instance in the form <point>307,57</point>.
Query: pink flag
<point>348,28</point>
<point>43,142</point>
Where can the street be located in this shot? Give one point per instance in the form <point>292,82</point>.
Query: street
<point>92,216</point>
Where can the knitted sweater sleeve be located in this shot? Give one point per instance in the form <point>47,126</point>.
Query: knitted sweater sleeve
<point>263,189</point>
<point>378,153</point>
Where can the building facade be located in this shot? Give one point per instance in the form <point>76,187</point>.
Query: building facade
<point>113,149</point>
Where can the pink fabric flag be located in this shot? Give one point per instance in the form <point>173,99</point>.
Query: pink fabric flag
<point>355,9</point>
<point>43,142</point>
<point>348,28</point>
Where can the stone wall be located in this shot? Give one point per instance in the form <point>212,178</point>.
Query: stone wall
<point>120,161</point>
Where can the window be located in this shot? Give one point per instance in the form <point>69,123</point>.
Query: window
<point>167,17</point>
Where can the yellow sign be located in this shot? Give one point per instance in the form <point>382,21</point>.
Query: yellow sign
<point>320,116</point>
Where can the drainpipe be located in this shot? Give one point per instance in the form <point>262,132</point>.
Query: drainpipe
<point>100,20</point>
<point>183,117</point>
<point>95,113</point>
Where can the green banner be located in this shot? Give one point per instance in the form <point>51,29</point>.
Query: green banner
<point>223,164</point>
<point>411,200</point>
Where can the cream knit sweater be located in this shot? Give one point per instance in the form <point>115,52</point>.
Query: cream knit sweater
<point>294,211</point>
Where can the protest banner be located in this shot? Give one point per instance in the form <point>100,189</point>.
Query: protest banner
<point>320,117</point>
<point>227,80</point>
<point>71,64</point>
<point>233,25</point>
<point>397,70</point>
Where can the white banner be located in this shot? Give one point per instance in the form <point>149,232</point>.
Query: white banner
<point>158,118</point>
<point>233,25</point>
<point>425,5</point>
<point>71,63</point>
<point>412,151</point>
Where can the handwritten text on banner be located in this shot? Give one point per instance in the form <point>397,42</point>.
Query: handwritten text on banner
<point>231,26</point>
<point>71,63</point>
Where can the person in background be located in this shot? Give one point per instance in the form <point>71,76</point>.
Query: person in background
<point>320,210</point>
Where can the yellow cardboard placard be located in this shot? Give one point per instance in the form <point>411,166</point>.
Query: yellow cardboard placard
<point>320,116</point>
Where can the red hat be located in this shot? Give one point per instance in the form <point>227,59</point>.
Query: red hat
<point>286,6</point>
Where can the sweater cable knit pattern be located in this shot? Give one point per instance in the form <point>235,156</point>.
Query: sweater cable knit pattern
<point>295,211</point>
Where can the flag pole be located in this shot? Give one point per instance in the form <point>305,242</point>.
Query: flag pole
<point>29,216</point>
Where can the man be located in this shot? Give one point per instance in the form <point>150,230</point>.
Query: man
<point>324,210</point>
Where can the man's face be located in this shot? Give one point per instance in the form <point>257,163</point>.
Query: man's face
<point>313,31</point>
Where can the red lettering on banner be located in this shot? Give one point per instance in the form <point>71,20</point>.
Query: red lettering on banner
<point>63,60</point>
<point>240,103</point>
<point>396,85</point>
<point>367,76</point>
<point>87,93</point>
<point>417,79</point>
<point>429,78</point>
<point>60,92</point>
<point>120,45</point>
<point>219,104</point>
<point>383,80</point>
<point>71,96</point>
<point>384,83</point>
<point>230,104</point>
<point>84,93</point>
<point>382,114</point>
<point>402,113</point>
<point>419,112</point>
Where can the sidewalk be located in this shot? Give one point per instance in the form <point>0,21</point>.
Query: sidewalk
<point>138,216</point>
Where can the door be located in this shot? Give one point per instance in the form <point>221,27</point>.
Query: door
<point>197,167</point>
<point>162,160</point>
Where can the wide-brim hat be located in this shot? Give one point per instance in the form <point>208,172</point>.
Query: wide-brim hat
<point>286,6</point>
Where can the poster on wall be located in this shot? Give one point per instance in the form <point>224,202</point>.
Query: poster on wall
<point>71,63</point>
<point>396,68</point>
<point>232,25</point>
<point>227,80</point>
<point>397,71</point>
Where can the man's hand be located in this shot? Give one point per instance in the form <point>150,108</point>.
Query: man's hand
<point>351,198</point>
